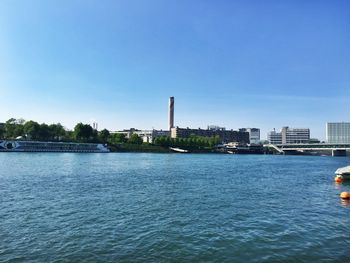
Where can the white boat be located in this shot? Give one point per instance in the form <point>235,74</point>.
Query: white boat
<point>343,172</point>
<point>178,150</point>
<point>37,146</point>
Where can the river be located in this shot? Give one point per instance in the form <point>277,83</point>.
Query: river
<point>130,207</point>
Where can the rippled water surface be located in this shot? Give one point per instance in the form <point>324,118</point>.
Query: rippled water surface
<point>171,208</point>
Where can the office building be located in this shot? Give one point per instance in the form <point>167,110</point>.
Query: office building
<point>289,136</point>
<point>274,137</point>
<point>254,134</point>
<point>295,135</point>
<point>338,132</point>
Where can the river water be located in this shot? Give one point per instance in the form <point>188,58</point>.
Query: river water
<point>129,207</point>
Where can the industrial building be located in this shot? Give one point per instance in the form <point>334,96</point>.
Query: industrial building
<point>212,130</point>
<point>338,132</point>
<point>289,135</point>
<point>226,136</point>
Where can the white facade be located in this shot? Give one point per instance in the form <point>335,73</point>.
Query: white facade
<point>149,135</point>
<point>289,136</point>
<point>295,135</point>
<point>338,132</point>
<point>146,135</point>
<point>274,137</point>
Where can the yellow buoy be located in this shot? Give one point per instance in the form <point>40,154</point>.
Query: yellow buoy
<point>345,195</point>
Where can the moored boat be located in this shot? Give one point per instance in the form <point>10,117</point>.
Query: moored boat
<point>178,150</point>
<point>344,172</point>
<point>38,146</point>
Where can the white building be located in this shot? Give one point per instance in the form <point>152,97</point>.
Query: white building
<point>274,137</point>
<point>289,136</point>
<point>147,135</point>
<point>338,132</point>
<point>295,135</point>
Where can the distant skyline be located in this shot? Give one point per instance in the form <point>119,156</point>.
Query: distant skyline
<point>263,64</point>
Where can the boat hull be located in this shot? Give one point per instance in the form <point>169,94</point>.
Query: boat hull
<point>37,146</point>
<point>343,172</point>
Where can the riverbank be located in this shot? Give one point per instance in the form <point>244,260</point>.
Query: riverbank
<point>151,148</point>
<point>145,148</point>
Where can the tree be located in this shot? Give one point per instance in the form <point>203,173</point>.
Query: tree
<point>2,131</point>
<point>31,130</point>
<point>135,139</point>
<point>44,132</point>
<point>118,138</point>
<point>10,126</point>
<point>83,132</point>
<point>104,135</point>
<point>215,140</point>
<point>57,131</point>
<point>18,131</point>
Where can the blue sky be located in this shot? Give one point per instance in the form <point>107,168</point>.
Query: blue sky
<point>263,64</point>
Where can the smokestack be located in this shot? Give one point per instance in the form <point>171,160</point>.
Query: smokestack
<point>171,113</point>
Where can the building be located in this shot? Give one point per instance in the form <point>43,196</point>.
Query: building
<point>289,136</point>
<point>95,126</point>
<point>338,132</point>
<point>215,127</point>
<point>295,135</point>
<point>147,136</point>
<point>226,136</point>
<point>254,134</point>
<point>274,137</point>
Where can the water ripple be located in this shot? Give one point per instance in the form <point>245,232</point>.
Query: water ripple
<point>171,208</point>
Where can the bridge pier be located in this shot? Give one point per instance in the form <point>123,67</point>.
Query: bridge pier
<point>338,152</point>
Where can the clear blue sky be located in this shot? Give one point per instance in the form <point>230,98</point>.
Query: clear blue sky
<point>231,63</point>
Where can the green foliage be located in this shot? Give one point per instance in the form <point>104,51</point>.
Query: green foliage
<point>117,138</point>
<point>193,142</point>
<point>2,131</point>
<point>13,128</point>
<point>32,130</point>
<point>57,132</point>
<point>44,132</point>
<point>135,139</point>
<point>84,133</point>
<point>10,127</point>
<point>103,135</point>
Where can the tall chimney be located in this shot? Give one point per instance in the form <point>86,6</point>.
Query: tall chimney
<point>171,113</point>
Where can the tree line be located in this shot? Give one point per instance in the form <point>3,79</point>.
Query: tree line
<point>32,130</point>
<point>192,142</point>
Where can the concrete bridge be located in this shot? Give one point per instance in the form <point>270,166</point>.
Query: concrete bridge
<point>335,149</point>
